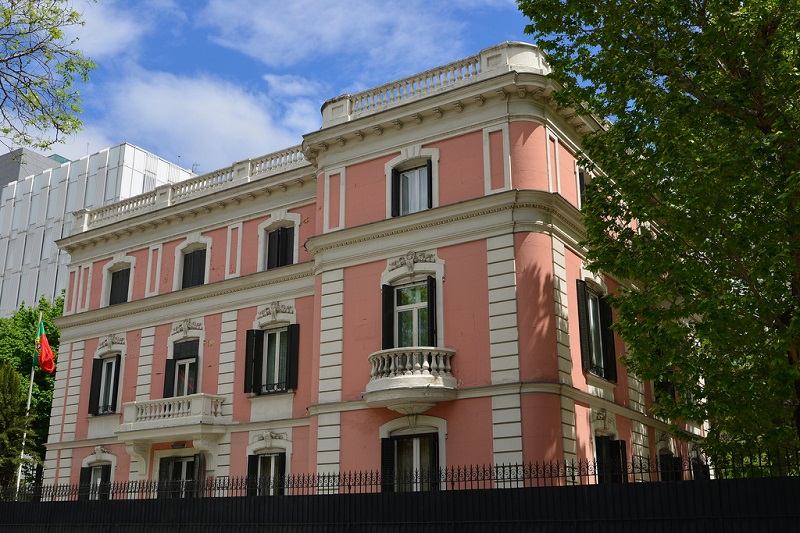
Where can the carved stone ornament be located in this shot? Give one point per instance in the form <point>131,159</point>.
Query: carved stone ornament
<point>99,450</point>
<point>186,326</point>
<point>107,343</point>
<point>273,309</point>
<point>410,259</point>
<point>609,421</point>
<point>268,436</point>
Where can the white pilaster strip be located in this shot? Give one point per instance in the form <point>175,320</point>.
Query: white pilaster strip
<point>561,313</point>
<point>329,430</point>
<point>568,430</point>
<point>507,429</point>
<point>144,376</point>
<point>227,361</point>
<point>503,337</point>
<point>330,349</point>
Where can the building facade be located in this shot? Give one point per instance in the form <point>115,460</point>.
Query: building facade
<point>36,209</point>
<point>403,291</point>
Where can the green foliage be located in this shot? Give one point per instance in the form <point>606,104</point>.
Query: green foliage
<point>12,423</point>
<point>18,348</point>
<point>704,99</point>
<point>38,68</point>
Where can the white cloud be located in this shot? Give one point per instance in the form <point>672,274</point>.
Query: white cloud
<point>292,86</point>
<point>110,30</point>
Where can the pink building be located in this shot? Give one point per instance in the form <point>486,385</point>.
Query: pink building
<point>406,289</point>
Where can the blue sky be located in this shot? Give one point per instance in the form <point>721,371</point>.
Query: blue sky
<point>205,83</point>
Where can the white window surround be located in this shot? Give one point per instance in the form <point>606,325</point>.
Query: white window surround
<point>327,204</point>
<point>185,331</point>
<point>417,267</point>
<point>101,456</point>
<point>487,161</point>
<point>417,425</point>
<point>118,262</point>
<point>179,452</point>
<point>275,314</point>
<point>411,157</point>
<point>277,219</point>
<point>272,441</point>
<point>192,242</point>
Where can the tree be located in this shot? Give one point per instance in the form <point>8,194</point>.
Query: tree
<point>38,68</point>
<point>696,197</point>
<point>18,348</point>
<point>12,423</point>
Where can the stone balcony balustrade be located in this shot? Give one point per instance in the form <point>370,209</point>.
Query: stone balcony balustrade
<point>190,416</point>
<point>410,380</point>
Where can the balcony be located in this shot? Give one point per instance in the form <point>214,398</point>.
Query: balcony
<point>191,417</point>
<point>410,380</point>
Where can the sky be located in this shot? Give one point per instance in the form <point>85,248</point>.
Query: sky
<point>206,83</point>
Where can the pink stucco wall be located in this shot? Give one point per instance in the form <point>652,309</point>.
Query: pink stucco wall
<point>541,427</point>
<point>528,162</point>
<point>365,192</point>
<point>460,167</point>
<point>361,330</point>
<point>497,163</point>
<point>569,183</point>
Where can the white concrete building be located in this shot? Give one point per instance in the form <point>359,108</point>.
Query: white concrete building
<point>36,210</point>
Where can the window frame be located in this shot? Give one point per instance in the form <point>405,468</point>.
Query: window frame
<point>416,480</point>
<point>599,360</point>
<point>280,249</point>
<point>88,489</point>
<point>193,268</point>
<point>255,354</point>
<point>398,190</point>
<point>181,352</point>
<point>116,294</point>
<point>611,460</point>
<point>277,478</point>
<point>169,488</point>
<point>100,384</point>
<point>390,332</point>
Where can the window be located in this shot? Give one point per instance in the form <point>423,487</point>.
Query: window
<point>95,482</point>
<point>271,360</point>
<point>410,463</point>
<point>280,248</point>
<point>194,268</point>
<point>663,389</point>
<point>597,339</point>
<point>180,375</point>
<point>266,474</point>
<point>611,460</point>
<point>120,281</point>
<point>409,315</point>
<point>412,190</point>
<point>671,467</point>
<point>105,377</point>
<point>180,477</point>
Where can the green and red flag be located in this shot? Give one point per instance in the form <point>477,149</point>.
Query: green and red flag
<point>46,359</point>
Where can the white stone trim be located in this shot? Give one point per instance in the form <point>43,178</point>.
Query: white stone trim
<point>275,314</point>
<point>503,331</point>
<point>329,431</point>
<point>410,156</point>
<point>120,261</point>
<point>238,249</point>
<point>487,160</point>
<point>101,456</point>
<point>186,330</point>
<point>326,217</point>
<point>84,291</point>
<point>193,241</point>
<point>507,429</point>
<point>277,440</point>
<point>415,425</point>
<point>151,289</point>
<point>330,342</point>
<point>280,218</point>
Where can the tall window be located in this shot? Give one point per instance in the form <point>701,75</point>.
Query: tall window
<point>266,474</point>
<point>410,463</point>
<point>280,248</point>
<point>180,477</point>
<point>409,314</point>
<point>412,190</point>
<point>180,375</point>
<point>120,281</point>
<point>95,482</point>
<point>194,268</point>
<point>103,392</point>
<point>612,460</point>
<point>597,339</point>
<point>271,359</point>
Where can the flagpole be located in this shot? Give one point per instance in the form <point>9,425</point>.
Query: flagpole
<point>27,414</point>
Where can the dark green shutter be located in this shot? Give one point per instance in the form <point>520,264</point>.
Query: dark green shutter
<point>115,390</point>
<point>273,242</point>
<point>293,352</point>
<point>583,325</point>
<point>432,334</point>
<point>169,378</point>
<point>395,193</point>
<point>387,292</point>
<point>609,352</point>
<point>84,483</point>
<point>429,167</point>
<point>252,475</point>
<point>254,355</point>
<point>120,281</point>
<point>387,465</point>
<point>104,491</point>
<point>287,246</point>
<point>94,391</point>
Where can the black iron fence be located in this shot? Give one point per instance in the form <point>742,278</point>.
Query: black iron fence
<point>549,474</point>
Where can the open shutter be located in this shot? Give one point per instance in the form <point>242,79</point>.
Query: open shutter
<point>273,242</point>
<point>287,246</point>
<point>252,475</point>
<point>387,465</point>
<point>433,474</point>
<point>186,280</point>
<point>115,389</point>
<point>395,193</point>
<point>619,461</point>
<point>429,166</point>
<point>387,293</point>
<point>432,333</point>
<point>120,281</point>
<point>609,353</point>
<point>94,392</point>
<point>166,487</point>
<point>104,491</point>
<point>279,477</point>
<point>293,352</point>
<point>84,483</point>
<point>198,479</point>
<point>254,355</point>
<point>603,458</point>
<point>169,379</point>
<point>583,325</point>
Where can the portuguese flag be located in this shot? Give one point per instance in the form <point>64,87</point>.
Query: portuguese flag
<point>46,359</point>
